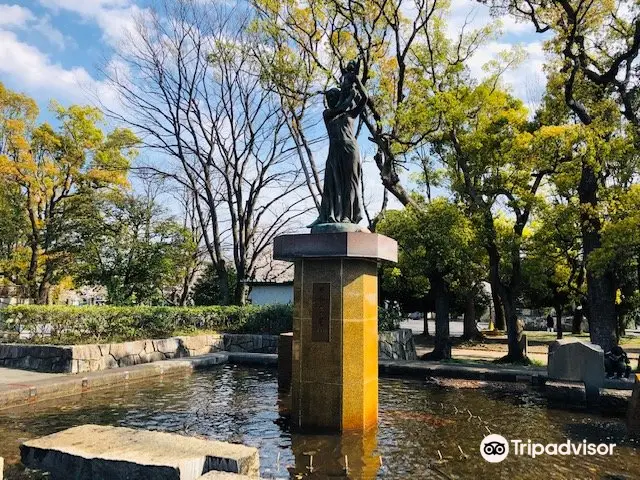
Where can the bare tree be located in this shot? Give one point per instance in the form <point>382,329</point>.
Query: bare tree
<point>192,88</point>
<point>191,223</point>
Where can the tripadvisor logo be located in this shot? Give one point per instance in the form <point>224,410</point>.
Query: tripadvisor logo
<point>495,448</point>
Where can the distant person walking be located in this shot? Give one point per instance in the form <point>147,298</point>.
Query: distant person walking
<point>549,323</point>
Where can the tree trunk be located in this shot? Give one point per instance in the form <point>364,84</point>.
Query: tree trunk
<point>470,327</point>
<point>425,327</point>
<point>43,293</point>
<point>601,289</point>
<point>514,330</point>
<point>576,325</point>
<point>223,282</point>
<point>498,310</point>
<point>442,346</point>
<point>187,281</point>
<point>558,308</point>
<point>240,293</point>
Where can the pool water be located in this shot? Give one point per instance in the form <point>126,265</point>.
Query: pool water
<point>425,430</point>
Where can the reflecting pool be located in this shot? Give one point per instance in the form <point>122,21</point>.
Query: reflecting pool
<point>426,430</point>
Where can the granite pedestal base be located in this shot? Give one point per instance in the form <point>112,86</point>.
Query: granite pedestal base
<point>334,383</point>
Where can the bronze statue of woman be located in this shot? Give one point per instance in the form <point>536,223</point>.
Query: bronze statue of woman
<point>341,206</point>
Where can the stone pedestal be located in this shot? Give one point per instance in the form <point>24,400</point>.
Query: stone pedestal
<point>285,348</point>
<point>334,383</point>
<point>577,362</point>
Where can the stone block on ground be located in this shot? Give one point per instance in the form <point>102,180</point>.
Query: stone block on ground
<point>576,362</point>
<point>224,476</point>
<point>397,345</point>
<point>614,402</point>
<point>572,393</point>
<point>96,452</point>
<point>633,414</point>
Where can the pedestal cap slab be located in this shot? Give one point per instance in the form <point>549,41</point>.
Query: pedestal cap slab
<point>331,245</point>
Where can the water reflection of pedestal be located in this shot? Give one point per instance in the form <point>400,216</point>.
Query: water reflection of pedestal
<point>334,384</point>
<point>350,455</point>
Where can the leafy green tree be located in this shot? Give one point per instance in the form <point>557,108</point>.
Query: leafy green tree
<point>407,61</point>
<point>14,254</point>
<point>436,241</point>
<point>553,271</point>
<point>206,290</point>
<point>594,76</point>
<point>620,252</point>
<point>496,157</point>
<point>53,170</point>
<point>132,248</point>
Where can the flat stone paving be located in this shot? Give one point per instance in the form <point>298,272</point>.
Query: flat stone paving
<point>14,376</point>
<point>98,452</point>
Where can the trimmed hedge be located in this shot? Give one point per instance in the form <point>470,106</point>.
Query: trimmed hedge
<point>70,324</point>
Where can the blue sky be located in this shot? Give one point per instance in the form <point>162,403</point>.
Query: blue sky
<point>53,49</point>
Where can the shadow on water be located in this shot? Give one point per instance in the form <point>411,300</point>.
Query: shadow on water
<point>425,430</point>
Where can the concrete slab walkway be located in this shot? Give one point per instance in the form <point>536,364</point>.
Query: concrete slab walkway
<point>15,376</point>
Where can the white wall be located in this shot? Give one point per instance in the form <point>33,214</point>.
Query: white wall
<point>270,294</point>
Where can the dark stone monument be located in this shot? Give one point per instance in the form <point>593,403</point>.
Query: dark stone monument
<point>341,206</point>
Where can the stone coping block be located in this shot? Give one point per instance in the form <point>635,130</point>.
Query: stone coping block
<point>95,357</point>
<point>569,360</point>
<point>397,345</point>
<point>252,358</point>
<point>496,373</point>
<point>224,476</point>
<point>566,392</point>
<point>97,452</point>
<point>330,245</point>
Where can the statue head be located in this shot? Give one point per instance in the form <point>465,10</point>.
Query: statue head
<point>333,96</point>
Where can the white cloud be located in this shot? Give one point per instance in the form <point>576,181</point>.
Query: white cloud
<point>33,70</point>
<point>54,36</point>
<point>15,16</point>
<point>115,18</point>
<point>527,81</point>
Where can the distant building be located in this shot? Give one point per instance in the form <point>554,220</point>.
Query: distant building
<point>85,295</point>
<point>269,293</point>
<point>13,295</point>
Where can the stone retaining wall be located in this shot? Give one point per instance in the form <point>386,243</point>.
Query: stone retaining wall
<point>91,358</point>
<point>396,345</point>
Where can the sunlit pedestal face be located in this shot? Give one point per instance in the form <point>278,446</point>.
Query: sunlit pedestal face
<point>334,382</point>
<point>335,369</point>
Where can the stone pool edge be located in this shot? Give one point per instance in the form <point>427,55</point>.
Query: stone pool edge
<point>14,395</point>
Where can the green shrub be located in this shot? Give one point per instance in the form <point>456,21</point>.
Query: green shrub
<point>69,324</point>
<point>389,316</point>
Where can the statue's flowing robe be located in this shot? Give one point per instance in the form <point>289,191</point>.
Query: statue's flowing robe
<point>341,200</point>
